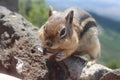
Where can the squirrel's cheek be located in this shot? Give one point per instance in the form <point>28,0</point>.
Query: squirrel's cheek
<point>41,36</point>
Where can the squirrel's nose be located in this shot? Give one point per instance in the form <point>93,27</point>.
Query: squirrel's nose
<point>49,43</point>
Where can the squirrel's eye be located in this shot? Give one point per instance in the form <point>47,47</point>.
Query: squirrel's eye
<point>62,32</point>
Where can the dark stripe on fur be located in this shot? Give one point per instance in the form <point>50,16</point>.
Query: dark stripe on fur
<point>87,27</point>
<point>84,17</point>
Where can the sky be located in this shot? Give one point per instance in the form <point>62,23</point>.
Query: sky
<point>108,8</point>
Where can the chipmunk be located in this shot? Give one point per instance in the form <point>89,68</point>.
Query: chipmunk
<point>72,32</point>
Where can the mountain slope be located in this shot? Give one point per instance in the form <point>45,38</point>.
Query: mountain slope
<point>110,39</point>
<point>107,22</point>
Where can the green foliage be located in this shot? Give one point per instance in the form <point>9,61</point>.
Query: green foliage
<point>113,64</point>
<point>35,11</point>
<point>110,44</point>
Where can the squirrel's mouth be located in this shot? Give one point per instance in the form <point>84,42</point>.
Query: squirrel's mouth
<point>45,50</point>
<point>58,54</point>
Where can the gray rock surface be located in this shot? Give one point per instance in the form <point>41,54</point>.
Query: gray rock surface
<point>19,54</point>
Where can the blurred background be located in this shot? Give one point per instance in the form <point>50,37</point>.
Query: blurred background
<point>106,13</point>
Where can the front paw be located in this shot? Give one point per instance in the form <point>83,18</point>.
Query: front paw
<point>89,63</point>
<point>60,56</point>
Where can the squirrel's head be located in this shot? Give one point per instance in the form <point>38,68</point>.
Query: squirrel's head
<point>57,30</point>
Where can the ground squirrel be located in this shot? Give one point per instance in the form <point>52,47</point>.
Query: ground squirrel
<point>72,32</point>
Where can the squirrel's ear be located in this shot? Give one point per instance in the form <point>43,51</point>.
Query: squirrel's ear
<point>69,17</point>
<point>50,11</point>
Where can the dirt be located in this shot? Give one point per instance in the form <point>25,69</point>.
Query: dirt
<point>19,47</point>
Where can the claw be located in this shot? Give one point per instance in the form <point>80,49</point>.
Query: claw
<point>60,56</point>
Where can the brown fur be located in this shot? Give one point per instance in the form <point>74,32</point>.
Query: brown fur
<point>72,43</point>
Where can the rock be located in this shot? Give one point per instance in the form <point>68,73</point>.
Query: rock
<point>19,54</point>
<point>74,68</point>
<point>10,4</point>
<point>113,75</point>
